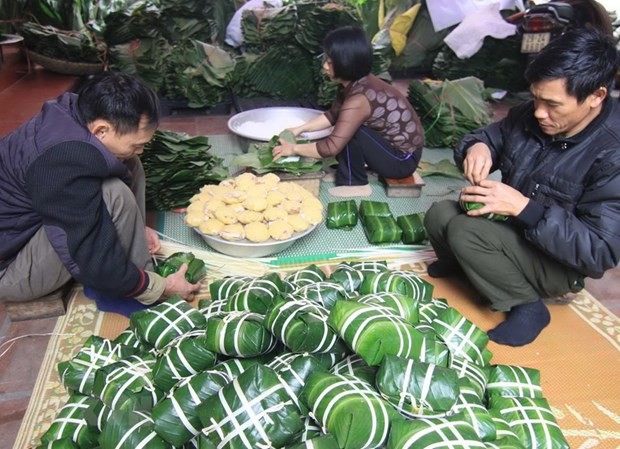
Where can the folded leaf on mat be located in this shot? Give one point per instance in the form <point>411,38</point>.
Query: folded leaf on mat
<point>434,432</point>
<point>161,324</point>
<point>239,334</point>
<point>417,389</point>
<point>350,409</point>
<point>254,410</point>
<point>130,430</point>
<point>71,423</point>
<point>511,381</point>
<point>341,215</point>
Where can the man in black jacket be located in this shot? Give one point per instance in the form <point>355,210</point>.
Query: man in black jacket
<point>559,157</point>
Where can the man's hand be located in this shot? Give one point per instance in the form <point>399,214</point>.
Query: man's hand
<point>176,284</point>
<point>498,198</point>
<point>477,164</point>
<point>285,149</point>
<point>152,240</point>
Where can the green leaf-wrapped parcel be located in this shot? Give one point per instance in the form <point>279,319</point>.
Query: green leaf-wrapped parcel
<point>253,410</point>
<point>464,338</point>
<point>64,443</point>
<point>256,295</point>
<point>305,276</point>
<point>382,229</point>
<point>434,432</point>
<point>350,409</point>
<point>417,389</point>
<point>355,366</point>
<point>404,282</point>
<point>369,208</point>
<point>325,293</point>
<point>127,429</point>
<point>373,332</point>
<point>239,334</point>
<point>341,215</point>
<point>413,228</point>
<point>514,381</point>
<point>71,423</point>
<point>402,305</point>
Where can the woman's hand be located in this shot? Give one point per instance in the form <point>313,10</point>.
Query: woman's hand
<point>497,197</point>
<point>477,164</point>
<point>176,284</point>
<point>285,149</point>
<point>152,240</point>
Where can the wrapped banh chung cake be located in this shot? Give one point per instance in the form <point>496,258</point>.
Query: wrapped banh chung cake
<point>362,357</point>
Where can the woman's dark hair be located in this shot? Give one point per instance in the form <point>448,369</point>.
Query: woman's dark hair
<point>120,99</point>
<point>586,58</point>
<point>350,53</point>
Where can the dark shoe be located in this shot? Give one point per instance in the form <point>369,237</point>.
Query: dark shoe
<point>122,306</point>
<point>442,268</point>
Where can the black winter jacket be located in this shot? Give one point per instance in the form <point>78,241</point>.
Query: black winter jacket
<point>573,184</point>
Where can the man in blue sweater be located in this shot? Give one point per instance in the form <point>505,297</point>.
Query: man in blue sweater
<point>72,199</point>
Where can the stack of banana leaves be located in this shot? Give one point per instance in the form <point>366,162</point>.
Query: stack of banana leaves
<point>182,19</point>
<point>72,46</point>
<point>449,109</point>
<point>145,57</point>
<point>176,166</point>
<point>260,158</point>
<point>198,72</point>
<point>270,26</point>
<point>379,364</point>
<point>140,20</point>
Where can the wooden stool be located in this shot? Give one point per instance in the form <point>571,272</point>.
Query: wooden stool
<point>410,186</point>
<point>54,304</point>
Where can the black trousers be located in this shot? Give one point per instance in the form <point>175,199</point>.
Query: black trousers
<point>368,149</point>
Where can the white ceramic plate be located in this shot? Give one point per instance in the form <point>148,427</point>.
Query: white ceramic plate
<point>263,123</point>
<point>245,248</point>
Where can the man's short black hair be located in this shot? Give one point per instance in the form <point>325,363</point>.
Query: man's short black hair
<point>584,57</point>
<point>350,52</point>
<point>120,99</point>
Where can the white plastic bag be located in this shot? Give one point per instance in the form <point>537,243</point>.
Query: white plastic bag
<point>234,35</point>
<point>445,13</point>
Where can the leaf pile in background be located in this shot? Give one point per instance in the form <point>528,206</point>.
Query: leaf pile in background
<point>73,46</point>
<point>177,166</point>
<point>449,109</point>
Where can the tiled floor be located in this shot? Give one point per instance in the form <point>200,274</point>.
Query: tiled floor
<point>21,95</point>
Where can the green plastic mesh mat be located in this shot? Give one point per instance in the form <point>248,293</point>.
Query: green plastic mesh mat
<point>323,241</point>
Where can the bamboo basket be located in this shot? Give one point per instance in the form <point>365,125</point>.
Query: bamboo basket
<point>65,67</point>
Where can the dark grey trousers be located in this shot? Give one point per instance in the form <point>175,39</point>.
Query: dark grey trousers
<point>38,271</point>
<point>501,264</point>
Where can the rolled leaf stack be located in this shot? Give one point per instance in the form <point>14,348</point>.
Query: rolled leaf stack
<point>239,334</point>
<point>324,293</point>
<point>71,423</point>
<point>78,374</point>
<point>472,409</point>
<point>348,277</point>
<point>401,305</point>
<point>130,430</point>
<point>225,288</point>
<point>463,338</point>
<point>355,366</point>
<point>531,419</point>
<point>254,410</point>
<point>413,228</point>
<point>159,325</point>
<point>405,283</point>
<point>176,417</point>
<point>341,215</point>
<point>382,229</point>
<point>257,295</point>
<point>373,332</point>
<point>417,389</point>
<point>453,432</point>
<point>302,326</point>
<point>128,384</point>
<point>183,357</point>
<point>350,409</point>
<point>306,276</point>
<point>514,381</point>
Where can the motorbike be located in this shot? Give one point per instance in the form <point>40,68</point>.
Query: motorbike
<point>541,24</point>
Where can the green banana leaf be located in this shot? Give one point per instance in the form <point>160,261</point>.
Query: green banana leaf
<point>176,417</point>
<point>78,374</point>
<point>381,229</point>
<point>453,432</point>
<point>256,295</point>
<point>159,325</point>
<point>463,338</point>
<point>239,334</point>
<point>183,357</point>
<point>413,228</point>
<point>263,412</point>
<point>71,423</point>
<point>301,325</point>
<point>97,415</point>
<point>128,384</point>
<point>444,167</point>
<point>341,215</point>
<point>402,305</point>
<point>326,293</point>
<point>373,332</point>
<point>305,276</point>
<point>127,429</point>
<point>417,389</point>
<point>369,208</point>
<point>514,381</point>
<point>349,409</point>
<point>260,159</point>
<point>355,366</point>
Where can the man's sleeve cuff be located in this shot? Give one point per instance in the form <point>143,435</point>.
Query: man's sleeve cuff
<point>531,215</point>
<point>154,291</point>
